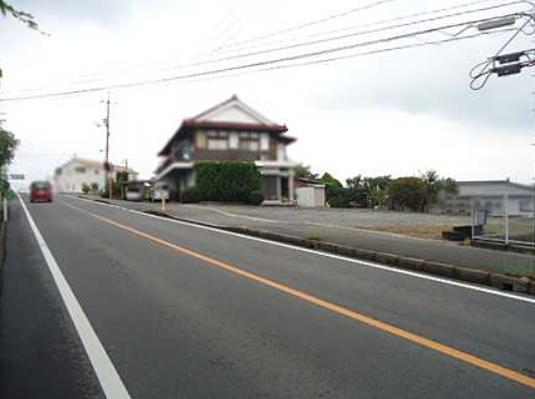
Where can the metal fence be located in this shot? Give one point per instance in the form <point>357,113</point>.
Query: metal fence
<point>508,224</point>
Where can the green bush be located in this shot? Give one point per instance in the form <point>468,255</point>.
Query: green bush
<point>255,198</point>
<point>85,188</point>
<point>191,195</point>
<point>228,181</point>
<point>408,193</point>
<point>338,197</point>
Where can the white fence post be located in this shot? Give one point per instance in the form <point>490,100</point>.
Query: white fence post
<point>506,217</point>
<point>473,215</point>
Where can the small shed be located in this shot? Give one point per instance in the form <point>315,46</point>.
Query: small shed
<point>311,196</point>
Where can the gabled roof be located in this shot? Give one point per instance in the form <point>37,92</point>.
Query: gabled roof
<point>492,188</point>
<point>231,114</point>
<point>91,163</point>
<point>217,112</point>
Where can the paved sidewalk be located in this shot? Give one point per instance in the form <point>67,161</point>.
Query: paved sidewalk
<point>335,226</point>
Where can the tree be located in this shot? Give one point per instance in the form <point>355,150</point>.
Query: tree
<point>407,193</point>
<point>330,181</point>
<point>24,17</point>
<point>368,191</point>
<point>8,145</point>
<point>435,184</point>
<point>377,190</point>
<point>304,172</point>
<point>336,195</point>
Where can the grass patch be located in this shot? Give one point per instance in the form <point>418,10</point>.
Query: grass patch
<point>519,271</point>
<point>429,231</point>
<point>313,235</point>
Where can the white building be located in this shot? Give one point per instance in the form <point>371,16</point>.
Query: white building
<point>496,197</point>
<point>73,174</point>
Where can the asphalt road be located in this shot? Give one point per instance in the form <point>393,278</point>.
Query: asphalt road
<point>187,312</point>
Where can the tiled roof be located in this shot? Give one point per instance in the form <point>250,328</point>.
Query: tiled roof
<point>234,125</point>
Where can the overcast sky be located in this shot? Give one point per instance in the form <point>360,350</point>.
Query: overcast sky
<point>394,113</point>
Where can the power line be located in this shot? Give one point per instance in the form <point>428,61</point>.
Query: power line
<point>318,21</point>
<point>223,36</point>
<point>380,22</point>
<point>237,5</point>
<point>256,64</point>
<point>342,37</point>
<point>389,49</point>
<point>355,55</point>
<point>346,36</point>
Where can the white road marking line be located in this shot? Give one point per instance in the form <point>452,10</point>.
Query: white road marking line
<point>328,255</point>
<point>109,379</point>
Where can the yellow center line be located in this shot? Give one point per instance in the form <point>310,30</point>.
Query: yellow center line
<point>341,310</point>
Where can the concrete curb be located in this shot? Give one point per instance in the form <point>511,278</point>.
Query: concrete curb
<point>3,235</point>
<point>477,276</point>
<point>507,283</point>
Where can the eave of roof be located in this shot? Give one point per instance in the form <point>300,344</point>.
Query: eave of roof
<point>492,182</point>
<point>234,125</point>
<point>223,125</point>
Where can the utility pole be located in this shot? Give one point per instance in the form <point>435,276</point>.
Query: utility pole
<point>107,151</point>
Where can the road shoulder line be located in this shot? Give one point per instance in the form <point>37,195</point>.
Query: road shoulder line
<point>109,379</point>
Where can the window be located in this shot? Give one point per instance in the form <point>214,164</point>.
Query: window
<point>249,141</point>
<point>79,169</point>
<point>526,206</point>
<point>234,141</point>
<point>264,142</point>
<point>200,139</point>
<point>217,140</point>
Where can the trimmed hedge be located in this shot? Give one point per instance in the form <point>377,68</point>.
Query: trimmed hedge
<point>256,198</point>
<point>191,195</point>
<point>228,181</point>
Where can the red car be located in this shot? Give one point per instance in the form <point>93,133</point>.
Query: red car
<point>41,191</point>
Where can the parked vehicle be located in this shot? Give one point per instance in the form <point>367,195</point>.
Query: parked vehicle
<point>41,191</point>
<point>135,191</point>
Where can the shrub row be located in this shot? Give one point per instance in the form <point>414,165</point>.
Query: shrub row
<point>228,181</point>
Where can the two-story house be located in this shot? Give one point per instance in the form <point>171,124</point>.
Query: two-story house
<point>77,172</point>
<point>229,131</point>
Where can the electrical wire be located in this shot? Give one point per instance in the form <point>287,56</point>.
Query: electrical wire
<point>343,37</point>
<point>324,19</point>
<point>380,22</point>
<point>334,39</point>
<point>360,54</point>
<point>218,71</point>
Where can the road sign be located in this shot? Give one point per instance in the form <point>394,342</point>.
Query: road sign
<point>16,176</point>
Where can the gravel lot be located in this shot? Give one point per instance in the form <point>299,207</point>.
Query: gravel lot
<point>405,223</point>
